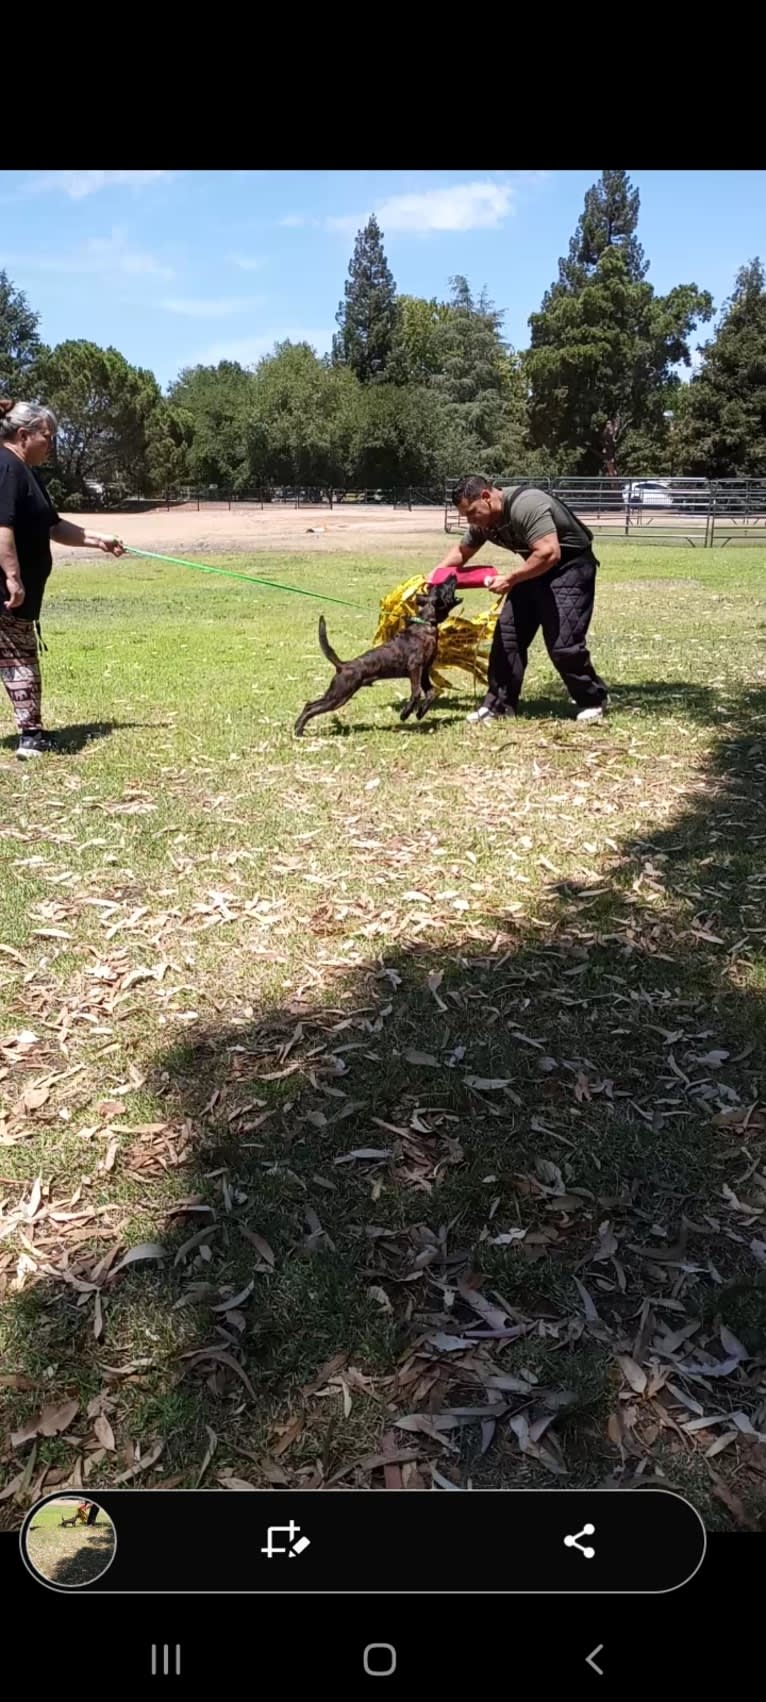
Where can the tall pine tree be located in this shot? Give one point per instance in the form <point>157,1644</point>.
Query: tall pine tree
<point>367,316</point>
<point>481,379</point>
<point>609,219</point>
<point>604,347</point>
<point>722,431</point>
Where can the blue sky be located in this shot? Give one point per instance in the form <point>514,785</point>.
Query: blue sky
<point>173,268</point>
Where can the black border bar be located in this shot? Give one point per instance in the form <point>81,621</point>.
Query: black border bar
<point>396,1542</point>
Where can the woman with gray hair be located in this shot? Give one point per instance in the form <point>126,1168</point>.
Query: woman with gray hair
<point>28,521</point>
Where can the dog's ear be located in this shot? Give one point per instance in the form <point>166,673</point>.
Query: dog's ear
<point>422,599</point>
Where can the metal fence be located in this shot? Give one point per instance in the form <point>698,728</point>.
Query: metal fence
<point>700,512</point>
<point>263,496</point>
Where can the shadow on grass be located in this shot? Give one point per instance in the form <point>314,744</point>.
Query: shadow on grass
<point>651,697</point>
<point>430,724</point>
<point>91,1559</point>
<point>71,1558</point>
<point>563,1111</point>
<point>69,740</point>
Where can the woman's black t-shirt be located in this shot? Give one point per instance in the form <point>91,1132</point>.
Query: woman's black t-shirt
<point>27,509</point>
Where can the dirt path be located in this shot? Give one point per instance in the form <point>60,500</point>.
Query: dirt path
<point>351,528</point>
<point>223,531</point>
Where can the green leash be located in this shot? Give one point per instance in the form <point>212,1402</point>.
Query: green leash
<point>229,573</point>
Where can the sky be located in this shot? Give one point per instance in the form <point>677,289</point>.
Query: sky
<point>176,268</point>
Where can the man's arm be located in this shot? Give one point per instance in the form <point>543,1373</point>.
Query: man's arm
<point>65,532</point>
<point>453,562</point>
<point>536,529</point>
<point>9,563</point>
<point>544,554</point>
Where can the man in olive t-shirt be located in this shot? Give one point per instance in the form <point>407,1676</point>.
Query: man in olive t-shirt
<point>553,589</point>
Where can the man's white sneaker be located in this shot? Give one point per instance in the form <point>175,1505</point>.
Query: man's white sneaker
<point>483,714</point>
<point>597,713</point>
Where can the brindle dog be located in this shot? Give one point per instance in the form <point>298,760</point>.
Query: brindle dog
<point>407,656</point>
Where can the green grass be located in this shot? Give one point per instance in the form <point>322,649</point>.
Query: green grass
<point>344,935</point>
<point>49,1517</point>
<point>71,1555</point>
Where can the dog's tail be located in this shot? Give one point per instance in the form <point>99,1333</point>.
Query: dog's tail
<point>326,647</point>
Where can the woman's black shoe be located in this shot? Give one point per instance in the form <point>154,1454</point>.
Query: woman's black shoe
<point>37,743</point>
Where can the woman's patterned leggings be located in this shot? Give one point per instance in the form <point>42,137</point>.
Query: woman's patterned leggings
<point>20,671</point>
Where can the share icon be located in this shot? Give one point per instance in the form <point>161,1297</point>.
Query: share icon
<point>574,1541</point>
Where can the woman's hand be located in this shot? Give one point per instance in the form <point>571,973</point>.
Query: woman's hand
<point>75,537</point>
<point>16,592</point>
<point>110,546</point>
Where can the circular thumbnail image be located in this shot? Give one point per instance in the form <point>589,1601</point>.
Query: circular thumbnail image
<point>69,1541</point>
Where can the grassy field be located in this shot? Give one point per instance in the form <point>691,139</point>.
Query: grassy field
<point>49,1517</point>
<point>70,1555</point>
<point>386,1108</point>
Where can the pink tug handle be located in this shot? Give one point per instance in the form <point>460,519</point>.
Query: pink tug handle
<point>468,579</point>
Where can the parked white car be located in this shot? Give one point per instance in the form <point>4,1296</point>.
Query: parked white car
<point>648,493</point>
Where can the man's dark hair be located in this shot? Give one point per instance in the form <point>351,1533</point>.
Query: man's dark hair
<point>468,489</point>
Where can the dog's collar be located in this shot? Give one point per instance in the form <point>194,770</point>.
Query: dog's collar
<point>417,620</point>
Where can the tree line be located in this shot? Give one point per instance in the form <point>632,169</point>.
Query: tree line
<point>415,390</point>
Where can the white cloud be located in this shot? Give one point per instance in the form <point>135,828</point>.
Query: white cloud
<point>295,221</point>
<point>347,224</point>
<point>249,350</point>
<point>108,255</point>
<point>532,179</point>
<point>78,184</point>
<point>215,307</point>
<point>246,263</point>
<point>482,205</point>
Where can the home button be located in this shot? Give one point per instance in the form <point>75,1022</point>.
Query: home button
<point>379,1660</point>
